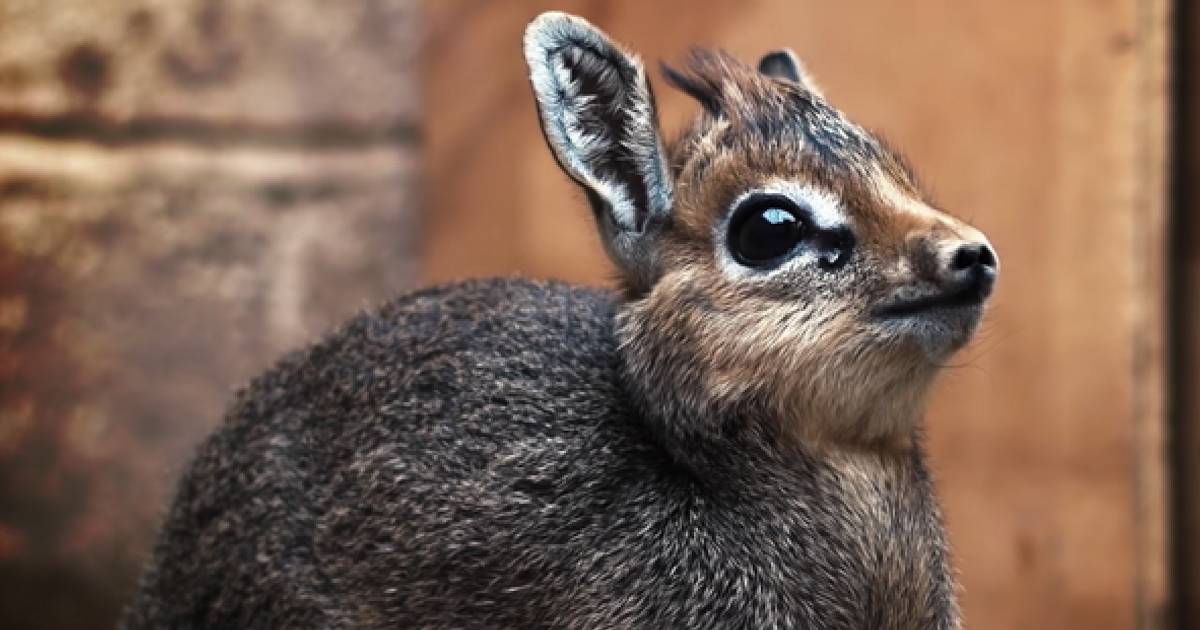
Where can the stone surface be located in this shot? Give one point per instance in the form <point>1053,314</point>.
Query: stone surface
<point>187,190</point>
<point>249,61</point>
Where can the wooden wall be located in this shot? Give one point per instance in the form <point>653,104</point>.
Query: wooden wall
<point>1185,328</point>
<point>1042,122</point>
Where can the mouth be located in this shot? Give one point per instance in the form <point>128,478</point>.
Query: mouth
<point>969,295</point>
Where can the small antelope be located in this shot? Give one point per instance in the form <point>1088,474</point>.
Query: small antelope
<point>729,441</point>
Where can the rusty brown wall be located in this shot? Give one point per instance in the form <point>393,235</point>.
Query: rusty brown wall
<point>1042,122</point>
<point>188,188</point>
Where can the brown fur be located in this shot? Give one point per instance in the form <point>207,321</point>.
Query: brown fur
<point>818,366</point>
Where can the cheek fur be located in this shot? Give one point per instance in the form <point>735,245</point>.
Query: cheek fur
<point>819,370</point>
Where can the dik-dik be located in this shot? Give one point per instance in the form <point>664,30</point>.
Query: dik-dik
<point>730,440</point>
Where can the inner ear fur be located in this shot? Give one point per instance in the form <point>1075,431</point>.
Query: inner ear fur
<point>598,116</point>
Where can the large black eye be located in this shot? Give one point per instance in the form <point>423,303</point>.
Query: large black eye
<point>763,231</point>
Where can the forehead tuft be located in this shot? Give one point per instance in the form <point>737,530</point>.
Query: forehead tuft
<point>772,119</point>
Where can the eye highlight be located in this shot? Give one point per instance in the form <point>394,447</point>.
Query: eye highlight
<point>765,230</point>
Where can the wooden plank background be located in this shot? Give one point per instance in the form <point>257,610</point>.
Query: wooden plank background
<point>188,189</point>
<point>1042,122</point>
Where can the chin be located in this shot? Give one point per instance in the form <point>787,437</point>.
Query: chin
<point>937,332</point>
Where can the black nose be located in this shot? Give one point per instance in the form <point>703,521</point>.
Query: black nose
<point>973,257</point>
<point>973,267</point>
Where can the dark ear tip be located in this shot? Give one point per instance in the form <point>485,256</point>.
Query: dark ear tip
<point>673,76</point>
<point>781,64</point>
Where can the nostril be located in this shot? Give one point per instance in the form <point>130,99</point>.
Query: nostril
<point>965,257</point>
<point>973,255</point>
<point>987,257</point>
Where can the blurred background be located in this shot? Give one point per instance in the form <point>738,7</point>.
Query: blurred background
<point>189,188</point>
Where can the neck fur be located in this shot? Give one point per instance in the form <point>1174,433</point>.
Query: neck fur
<point>704,417</point>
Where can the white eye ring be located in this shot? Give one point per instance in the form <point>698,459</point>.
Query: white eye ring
<point>765,229</point>
<point>822,211</point>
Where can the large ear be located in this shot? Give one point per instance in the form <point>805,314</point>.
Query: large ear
<point>598,116</point>
<point>784,64</point>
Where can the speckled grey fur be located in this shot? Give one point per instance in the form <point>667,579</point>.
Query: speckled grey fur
<point>467,457</point>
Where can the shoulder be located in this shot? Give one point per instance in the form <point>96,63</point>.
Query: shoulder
<point>462,336</point>
<point>500,317</point>
<point>525,305</point>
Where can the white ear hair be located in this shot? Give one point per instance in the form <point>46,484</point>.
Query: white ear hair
<point>597,113</point>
